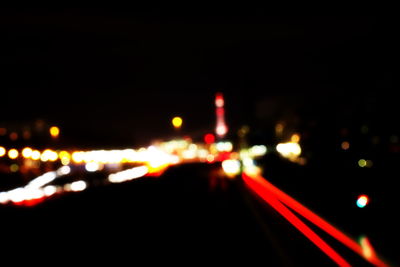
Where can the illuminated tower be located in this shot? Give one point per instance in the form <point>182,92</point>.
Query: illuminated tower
<point>221,128</point>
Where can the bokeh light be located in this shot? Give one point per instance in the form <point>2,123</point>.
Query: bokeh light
<point>362,201</point>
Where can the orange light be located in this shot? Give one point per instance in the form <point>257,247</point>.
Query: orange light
<point>367,248</point>
<point>3,131</point>
<point>13,136</point>
<point>345,145</point>
<point>54,131</point>
<point>13,153</point>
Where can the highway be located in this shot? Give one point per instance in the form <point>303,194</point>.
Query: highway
<point>192,213</point>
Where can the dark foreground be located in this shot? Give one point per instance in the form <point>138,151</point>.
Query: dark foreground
<point>190,215</point>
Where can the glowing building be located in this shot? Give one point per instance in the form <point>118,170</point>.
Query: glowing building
<point>221,128</point>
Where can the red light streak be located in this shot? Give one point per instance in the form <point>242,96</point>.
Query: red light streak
<point>266,188</point>
<point>272,200</point>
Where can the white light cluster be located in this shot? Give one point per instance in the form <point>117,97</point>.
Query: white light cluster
<point>289,149</point>
<point>34,189</point>
<point>129,174</point>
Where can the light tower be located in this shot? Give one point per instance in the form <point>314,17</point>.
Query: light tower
<point>221,129</point>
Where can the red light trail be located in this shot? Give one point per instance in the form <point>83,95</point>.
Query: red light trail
<point>278,199</point>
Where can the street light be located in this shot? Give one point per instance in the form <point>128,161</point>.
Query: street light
<point>177,122</point>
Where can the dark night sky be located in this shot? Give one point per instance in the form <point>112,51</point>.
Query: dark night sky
<point>104,72</point>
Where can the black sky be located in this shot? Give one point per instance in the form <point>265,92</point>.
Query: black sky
<point>108,72</point>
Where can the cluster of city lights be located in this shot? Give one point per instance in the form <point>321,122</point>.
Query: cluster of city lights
<point>152,160</point>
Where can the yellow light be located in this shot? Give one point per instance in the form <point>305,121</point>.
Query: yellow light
<point>2,151</point>
<point>279,129</point>
<point>54,131</point>
<point>13,153</point>
<point>35,155</point>
<point>14,167</point>
<point>362,163</point>
<point>64,154</point>
<point>77,156</point>
<point>177,122</point>
<point>295,138</point>
<point>27,152</point>
<point>65,157</point>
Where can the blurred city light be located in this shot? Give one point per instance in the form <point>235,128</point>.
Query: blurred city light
<point>219,100</point>
<point>13,136</point>
<point>365,163</point>
<point>92,166</point>
<point>49,190</point>
<point>3,131</point>
<point>54,131</point>
<point>231,167</point>
<point>209,138</point>
<point>65,157</point>
<point>49,155</point>
<point>362,201</point>
<point>64,170</point>
<point>289,150</point>
<point>27,152</point>
<point>13,153</point>
<point>221,130</point>
<point>14,167</point>
<point>345,145</point>
<point>367,249</point>
<point>177,122</point>
<point>257,151</point>
<point>295,138</point>
<point>224,146</point>
<point>2,151</point>
<point>4,197</point>
<point>128,175</point>
<point>42,180</point>
<point>78,186</point>
<point>35,155</point>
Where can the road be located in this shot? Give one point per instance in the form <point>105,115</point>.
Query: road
<point>191,214</point>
